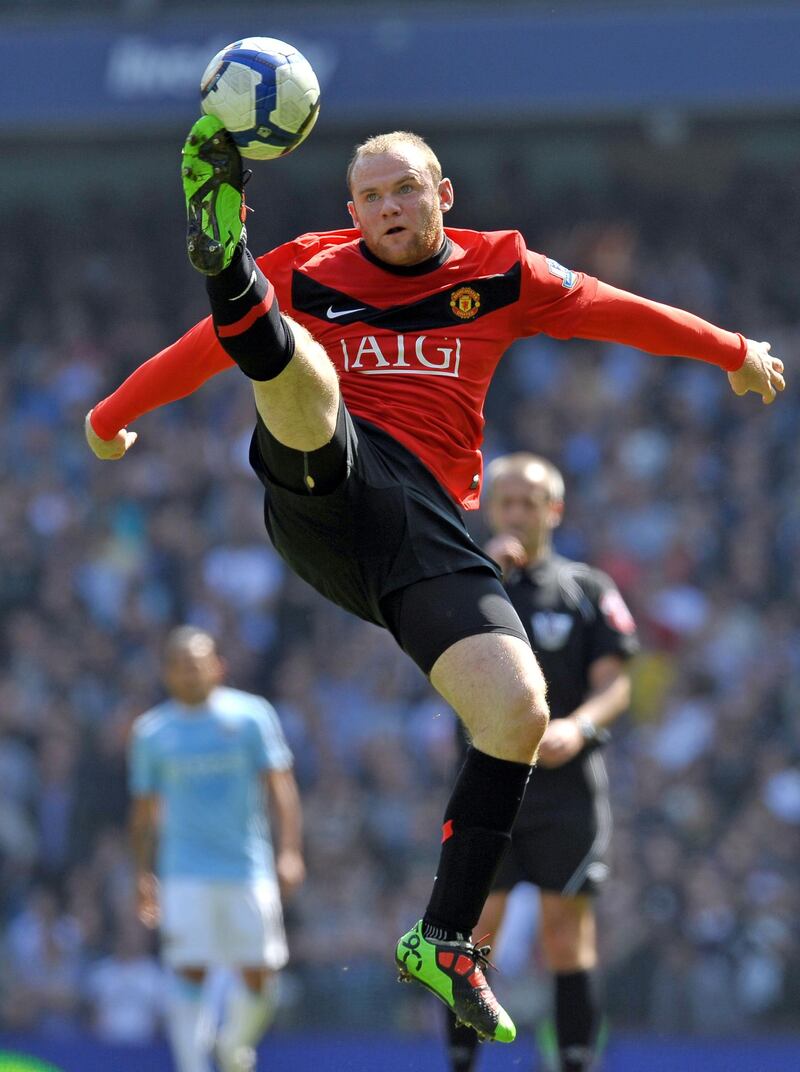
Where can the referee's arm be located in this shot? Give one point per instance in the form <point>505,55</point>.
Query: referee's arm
<point>609,694</point>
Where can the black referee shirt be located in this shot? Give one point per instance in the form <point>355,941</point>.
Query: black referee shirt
<point>573,614</point>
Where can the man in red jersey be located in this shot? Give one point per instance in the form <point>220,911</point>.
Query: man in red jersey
<point>369,399</point>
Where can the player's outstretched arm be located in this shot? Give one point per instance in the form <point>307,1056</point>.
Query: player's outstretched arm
<point>760,372</point>
<point>173,373</point>
<point>619,316</point>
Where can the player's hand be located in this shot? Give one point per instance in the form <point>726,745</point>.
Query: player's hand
<point>561,741</point>
<point>761,372</point>
<point>291,871</point>
<point>147,908</point>
<point>108,449</point>
<point>507,552</point>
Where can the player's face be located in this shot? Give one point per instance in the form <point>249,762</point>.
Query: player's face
<point>398,206</point>
<point>520,505</point>
<point>192,672</point>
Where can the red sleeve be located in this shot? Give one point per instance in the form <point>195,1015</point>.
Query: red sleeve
<point>617,316</point>
<point>553,299</point>
<point>173,373</point>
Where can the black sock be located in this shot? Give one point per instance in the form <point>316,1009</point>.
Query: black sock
<point>475,837</point>
<point>247,318</point>
<point>577,1020</point>
<point>462,1044</point>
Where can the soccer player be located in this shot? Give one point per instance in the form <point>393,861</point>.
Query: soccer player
<point>202,766</point>
<point>369,399</point>
<point>582,634</point>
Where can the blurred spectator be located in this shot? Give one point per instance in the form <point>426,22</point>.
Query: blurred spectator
<point>126,991</point>
<point>42,965</point>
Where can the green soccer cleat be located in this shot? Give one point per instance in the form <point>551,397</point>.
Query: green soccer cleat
<point>454,972</point>
<point>213,181</point>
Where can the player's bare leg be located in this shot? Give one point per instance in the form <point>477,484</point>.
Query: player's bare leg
<point>568,933</point>
<point>494,684</point>
<point>248,1014</point>
<point>187,1021</point>
<point>301,404</point>
<point>569,944</point>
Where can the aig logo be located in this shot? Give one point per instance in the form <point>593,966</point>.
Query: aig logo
<point>416,355</point>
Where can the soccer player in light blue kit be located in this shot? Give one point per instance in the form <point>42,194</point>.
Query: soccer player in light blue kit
<point>202,766</point>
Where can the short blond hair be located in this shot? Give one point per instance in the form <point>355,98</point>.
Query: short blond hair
<point>386,143</point>
<point>521,464</point>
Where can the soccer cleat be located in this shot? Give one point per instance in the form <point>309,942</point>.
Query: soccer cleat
<point>236,1059</point>
<point>454,972</point>
<point>213,181</point>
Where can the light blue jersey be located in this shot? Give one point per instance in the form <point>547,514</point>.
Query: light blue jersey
<point>206,764</point>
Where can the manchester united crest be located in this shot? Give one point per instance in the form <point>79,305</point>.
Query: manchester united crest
<point>465,303</point>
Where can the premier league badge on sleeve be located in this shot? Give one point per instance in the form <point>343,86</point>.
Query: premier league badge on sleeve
<point>566,275</point>
<point>615,611</point>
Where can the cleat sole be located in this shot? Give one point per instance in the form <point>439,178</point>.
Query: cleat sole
<point>215,205</point>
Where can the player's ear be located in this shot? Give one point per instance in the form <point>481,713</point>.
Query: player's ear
<point>556,513</point>
<point>446,195</point>
<point>351,208</point>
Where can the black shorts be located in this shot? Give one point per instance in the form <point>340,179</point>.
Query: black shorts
<point>381,538</point>
<point>561,839</point>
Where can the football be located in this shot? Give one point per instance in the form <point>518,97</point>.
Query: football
<point>265,93</point>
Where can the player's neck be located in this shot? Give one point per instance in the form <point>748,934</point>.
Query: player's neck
<point>429,264</point>
<point>193,706</point>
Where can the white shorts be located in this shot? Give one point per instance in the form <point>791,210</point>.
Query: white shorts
<point>238,924</point>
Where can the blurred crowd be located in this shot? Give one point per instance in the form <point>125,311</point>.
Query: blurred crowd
<point>686,495</point>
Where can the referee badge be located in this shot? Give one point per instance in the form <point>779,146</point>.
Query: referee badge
<point>465,303</point>
<point>551,630</point>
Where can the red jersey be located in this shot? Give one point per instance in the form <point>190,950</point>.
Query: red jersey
<point>415,348</point>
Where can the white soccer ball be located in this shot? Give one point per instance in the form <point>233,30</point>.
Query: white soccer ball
<point>265,93</point>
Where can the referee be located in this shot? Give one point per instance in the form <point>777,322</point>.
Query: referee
<point>583,635</point>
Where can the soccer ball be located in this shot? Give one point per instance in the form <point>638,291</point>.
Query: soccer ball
<point>265,93</point>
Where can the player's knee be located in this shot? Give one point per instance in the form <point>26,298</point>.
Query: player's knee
<point>563,961</point>
<point>565,952</point>
<point>527,713</point>
<point>257,980</point>
<point>568,938</point>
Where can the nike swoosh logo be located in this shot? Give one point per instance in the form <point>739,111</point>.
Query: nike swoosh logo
<point>252,280</point>
<point>335,314</point>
